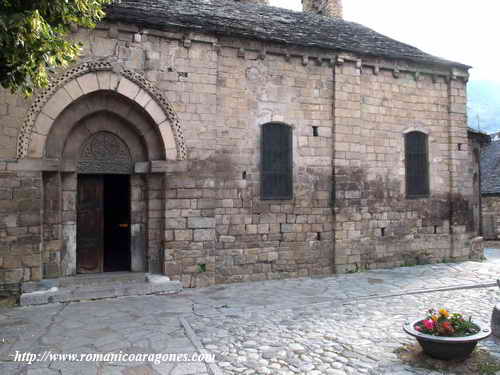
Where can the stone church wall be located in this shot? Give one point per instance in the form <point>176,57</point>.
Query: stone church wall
<point>215,218</point>
<point>212,226</point>
<point>376,225</point>
<point>491,216</point>
<point>20,228</point>
<point>476,141</point>
<point>216,228</point>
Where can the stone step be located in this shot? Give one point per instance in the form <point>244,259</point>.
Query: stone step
<point>84,280</point>
<point>85,287</point>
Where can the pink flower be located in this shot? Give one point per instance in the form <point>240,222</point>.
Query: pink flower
<point>417,328</point>
<point>429,324</point>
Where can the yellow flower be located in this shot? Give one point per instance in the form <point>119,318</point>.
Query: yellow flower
<point>434,318</point>
<point>444,312</point>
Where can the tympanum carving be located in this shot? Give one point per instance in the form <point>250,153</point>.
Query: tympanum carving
<point>105,153</point>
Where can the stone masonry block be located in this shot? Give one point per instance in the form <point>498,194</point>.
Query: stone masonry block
<point>88,83</point>
<point>57,103</point>
<point>104,80</point>
<point>14,275</point>
<point>201,222</point>
<point>175,223</point>
<point>37,145</point>
<point>143,98</point>
<point>128,88</point>
<point>156,112</point>
<point>43,124</point>
<point>204,235</point>
<point>73,89</point>
<point>183,235</point>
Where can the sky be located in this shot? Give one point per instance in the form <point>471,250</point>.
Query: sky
<point>457,30</point>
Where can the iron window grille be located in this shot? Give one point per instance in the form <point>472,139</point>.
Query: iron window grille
<point>276,162</point>
<point>417,165</point>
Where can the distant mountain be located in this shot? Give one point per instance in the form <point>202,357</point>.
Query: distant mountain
<point>484,105</point>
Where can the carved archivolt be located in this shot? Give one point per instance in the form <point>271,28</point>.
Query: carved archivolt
<point>41,100</point>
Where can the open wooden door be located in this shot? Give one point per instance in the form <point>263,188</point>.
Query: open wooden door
<point>90,224</point>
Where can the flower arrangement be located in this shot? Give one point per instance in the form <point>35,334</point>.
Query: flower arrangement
<point>442,323</point>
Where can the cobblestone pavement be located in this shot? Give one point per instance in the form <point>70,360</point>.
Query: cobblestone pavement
<point>358,337</point>
<point>347,324</point>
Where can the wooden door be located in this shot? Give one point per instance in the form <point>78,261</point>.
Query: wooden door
<point>90,224</point>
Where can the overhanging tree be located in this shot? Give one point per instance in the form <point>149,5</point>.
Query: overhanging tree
<point>33,39</point>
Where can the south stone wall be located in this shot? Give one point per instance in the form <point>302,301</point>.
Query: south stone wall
<point>376,225</point>
<point>20,228</point>
<point>210,224</point>
<point>214,227</point>
<point>491,216</point>
<point>476,142</point>
<point>215,219</point>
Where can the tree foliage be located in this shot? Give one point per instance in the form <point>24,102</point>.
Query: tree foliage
<point>33,38</point>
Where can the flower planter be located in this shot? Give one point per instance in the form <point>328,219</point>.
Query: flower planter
<point>447,348</point>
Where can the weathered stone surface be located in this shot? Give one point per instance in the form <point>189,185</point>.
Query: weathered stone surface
<point>101,287</point>
<point>296,335</point>
<point>204,235</point>
<point>348,164</point>
<point>201,222</point>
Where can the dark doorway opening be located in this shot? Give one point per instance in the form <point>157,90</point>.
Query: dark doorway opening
<point>116,223</point>
<point>103,223</point>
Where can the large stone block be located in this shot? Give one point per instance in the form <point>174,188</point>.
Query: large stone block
<point>201,222</point>
<point>13,275</point>
<point>29,219</point>
<point>183,235</point>
<point>204,235</point>
<point>175,223</point>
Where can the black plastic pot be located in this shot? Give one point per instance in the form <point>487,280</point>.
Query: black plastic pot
<point>447,348</point>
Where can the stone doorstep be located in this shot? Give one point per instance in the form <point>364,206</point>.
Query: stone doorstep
<point>97,286</point>
<point>84,280</point>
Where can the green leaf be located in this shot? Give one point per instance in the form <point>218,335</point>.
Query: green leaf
<point>33,39</point>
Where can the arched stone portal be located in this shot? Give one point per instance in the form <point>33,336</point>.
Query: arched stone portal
<point>101,131</point>
<point>89,78</point>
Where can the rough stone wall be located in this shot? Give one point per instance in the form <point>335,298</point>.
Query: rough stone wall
<point>20,218</point>
<point>52,236</point>
<point>215,217</point>
<point>332,8</point>
<point>12,111</point>
<point>205,213</point>
<point>376,225</point>
<point>213,226</point>
<point>474,150</point>
<point>490,205</point>
<point>266,2</point>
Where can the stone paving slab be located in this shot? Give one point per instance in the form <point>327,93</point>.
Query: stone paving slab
<point>146,324</point>
<point>93,287</point>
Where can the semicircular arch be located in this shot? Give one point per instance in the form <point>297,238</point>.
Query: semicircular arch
<point>89,78</point>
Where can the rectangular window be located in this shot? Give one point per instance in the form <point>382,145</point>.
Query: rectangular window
<point>417,165</point>
<point>276,162</point>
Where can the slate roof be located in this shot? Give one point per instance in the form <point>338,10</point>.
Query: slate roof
<point>266,23</point>
<point>480,136</point>
<point>490,169</point>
